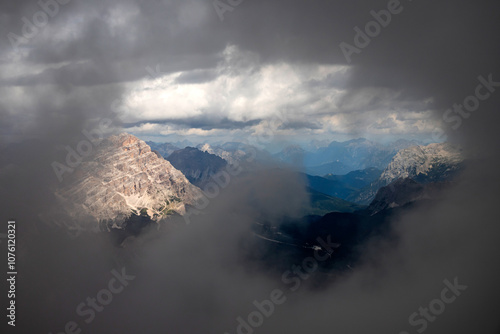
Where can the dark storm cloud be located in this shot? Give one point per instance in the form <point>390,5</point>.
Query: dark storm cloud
<point>119,53</point>
<point>419,44</point>
<point>87,74</point>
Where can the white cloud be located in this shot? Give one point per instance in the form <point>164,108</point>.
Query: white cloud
<point>244,89</point>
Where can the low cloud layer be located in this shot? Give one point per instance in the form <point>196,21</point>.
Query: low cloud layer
<point>196,278</point>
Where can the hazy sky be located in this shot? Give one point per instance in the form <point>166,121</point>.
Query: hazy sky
<point>175,69</point>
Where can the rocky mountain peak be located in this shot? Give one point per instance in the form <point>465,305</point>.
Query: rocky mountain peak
<point>123,177</point>
<point>423,161</point>
<point>436,162</point>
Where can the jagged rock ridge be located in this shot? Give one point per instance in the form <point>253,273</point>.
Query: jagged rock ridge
<point>425,164</point>
<point>124,177</point>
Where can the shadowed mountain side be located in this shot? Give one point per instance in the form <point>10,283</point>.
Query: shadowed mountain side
<point>346,236</point>
<point>165,149</point>
<point>196,165</point>
<point>404,191</point>
<point>322,204</point>
<point>343,186</point>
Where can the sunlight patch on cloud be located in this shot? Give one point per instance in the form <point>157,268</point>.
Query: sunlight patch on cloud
<point>243,90</point>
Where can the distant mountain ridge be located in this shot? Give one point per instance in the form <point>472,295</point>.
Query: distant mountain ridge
<point>236,153</point>
<point>340,158</point>
<point>232,156</point>
<point>196,165</point>
<point>165,149</point>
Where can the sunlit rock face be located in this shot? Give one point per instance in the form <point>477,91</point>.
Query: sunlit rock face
<point>123,176</point>
<point>424,164</point>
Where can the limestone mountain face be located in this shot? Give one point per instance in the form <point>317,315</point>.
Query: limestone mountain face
<point>122,177</point>
<point>424,164</point>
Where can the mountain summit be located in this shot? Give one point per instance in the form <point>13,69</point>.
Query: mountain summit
<point>424,164</point>
<point>434,162</point>
<point>124,177</point>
